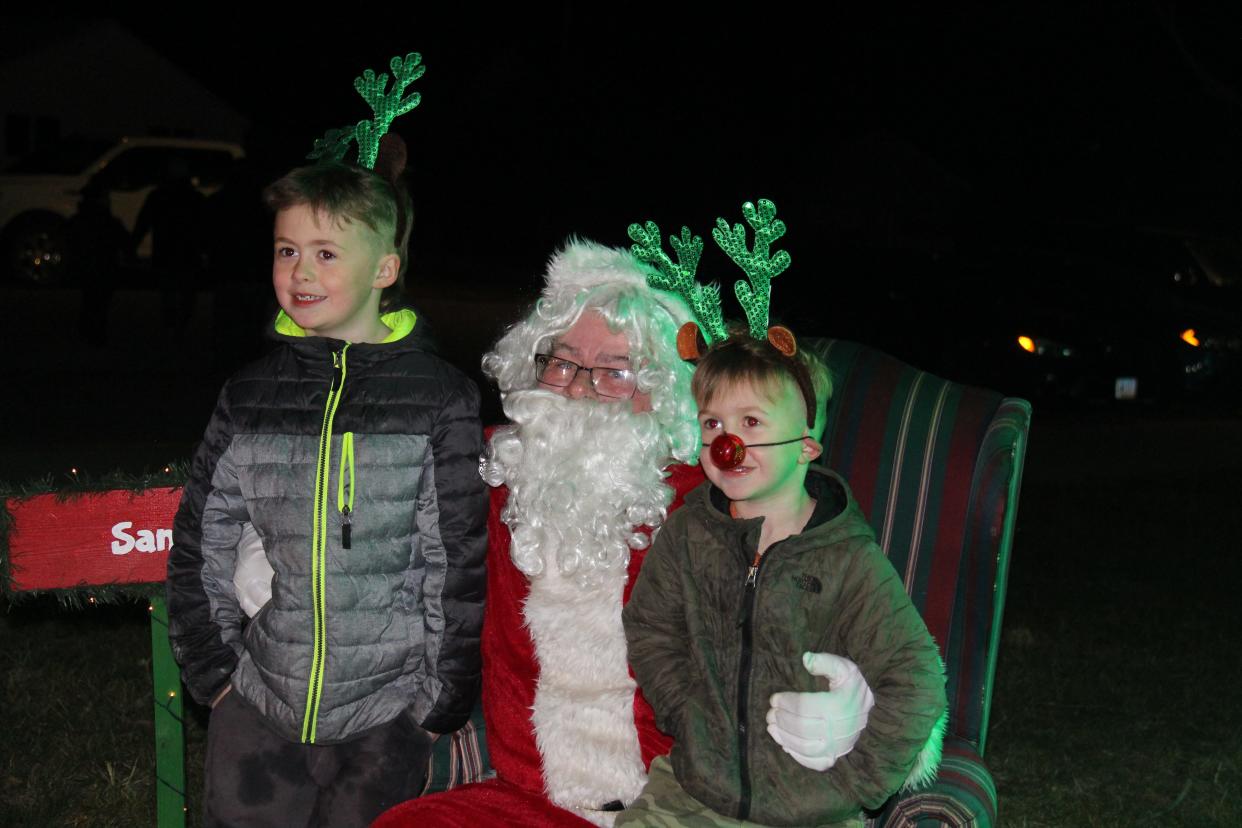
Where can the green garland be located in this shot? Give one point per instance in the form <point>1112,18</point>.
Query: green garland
<point>71,486</point>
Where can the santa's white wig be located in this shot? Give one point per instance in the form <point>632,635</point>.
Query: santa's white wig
<point>585,275</point>
<point>583,474</point>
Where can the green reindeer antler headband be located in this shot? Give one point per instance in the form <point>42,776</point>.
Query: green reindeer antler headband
<point>386,107</point>
<point>759,266</point>
<point>704,300</point>
<point>754,294</point>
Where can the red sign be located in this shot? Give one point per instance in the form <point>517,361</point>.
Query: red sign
<point>94,539</point>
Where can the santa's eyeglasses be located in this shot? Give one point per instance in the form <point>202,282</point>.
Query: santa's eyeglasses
<point>618,383</point>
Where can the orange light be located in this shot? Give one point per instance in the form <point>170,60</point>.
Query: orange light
<point>1027,344</point>
<point>1188,336</point>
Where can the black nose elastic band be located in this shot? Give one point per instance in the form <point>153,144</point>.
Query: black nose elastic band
<point>763,445</point>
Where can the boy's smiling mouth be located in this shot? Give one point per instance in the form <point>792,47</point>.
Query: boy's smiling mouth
<point>304,299</point>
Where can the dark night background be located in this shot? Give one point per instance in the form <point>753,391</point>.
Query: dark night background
<point>943,173</point>
<point>952,175</point>
<point>930,163</point>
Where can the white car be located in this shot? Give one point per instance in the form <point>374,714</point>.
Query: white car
<point>40,192</point>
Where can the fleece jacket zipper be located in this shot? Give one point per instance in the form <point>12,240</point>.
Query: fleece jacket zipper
<point>319,544</point>
<point>743,684</point>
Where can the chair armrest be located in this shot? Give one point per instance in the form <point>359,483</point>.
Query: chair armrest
<point>963,795</point>
<point>460,757</point>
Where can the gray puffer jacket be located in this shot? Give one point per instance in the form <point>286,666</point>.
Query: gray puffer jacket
<point>358,466</point>
<point>709,647</point>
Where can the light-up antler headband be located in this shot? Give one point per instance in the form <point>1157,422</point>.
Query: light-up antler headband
<point>760,267</point>
<point>386,107</point>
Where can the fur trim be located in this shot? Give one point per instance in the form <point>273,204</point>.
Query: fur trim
<point>583,715</point>
<point>584,264</point>
<point>927,763</point>
<point>611,281</point>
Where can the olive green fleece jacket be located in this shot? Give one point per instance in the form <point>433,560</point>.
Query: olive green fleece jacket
<point>709,651</point>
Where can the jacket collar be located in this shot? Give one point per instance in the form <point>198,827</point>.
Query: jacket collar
<point>833,500</point>
<point>401,321</point>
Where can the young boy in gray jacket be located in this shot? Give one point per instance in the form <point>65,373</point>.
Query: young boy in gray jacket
<point>353,451</point>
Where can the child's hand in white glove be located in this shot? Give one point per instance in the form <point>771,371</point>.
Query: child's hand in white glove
<point>817,729</point>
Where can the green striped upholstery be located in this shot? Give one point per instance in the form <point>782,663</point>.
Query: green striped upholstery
<point>964,794</point>
<point>937,467</point>
<point>460,757</point>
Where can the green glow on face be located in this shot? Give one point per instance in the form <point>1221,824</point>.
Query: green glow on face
<point>771,473</point>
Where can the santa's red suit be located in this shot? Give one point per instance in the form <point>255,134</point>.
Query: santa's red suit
<point>510,671</point>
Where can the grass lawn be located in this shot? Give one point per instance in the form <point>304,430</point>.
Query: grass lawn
<point>77,741</point>
<point>1117,697</point>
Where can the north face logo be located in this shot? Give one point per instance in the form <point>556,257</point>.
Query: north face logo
<point>808,583</point>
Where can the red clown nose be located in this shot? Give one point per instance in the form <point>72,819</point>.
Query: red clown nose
<point>728,451</point>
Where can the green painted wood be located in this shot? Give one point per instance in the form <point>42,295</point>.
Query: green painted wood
<point>170,806</point>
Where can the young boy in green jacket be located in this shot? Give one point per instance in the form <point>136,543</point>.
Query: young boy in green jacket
<point>749,594</point>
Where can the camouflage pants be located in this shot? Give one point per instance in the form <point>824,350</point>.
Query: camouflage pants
<point>664,803</point>
<point>254,776</point>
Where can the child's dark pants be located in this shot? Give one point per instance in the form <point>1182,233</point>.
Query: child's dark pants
<point>257,778</point>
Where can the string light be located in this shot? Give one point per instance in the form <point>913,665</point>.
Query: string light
<point>168,470</point>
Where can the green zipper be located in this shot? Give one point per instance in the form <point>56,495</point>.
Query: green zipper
<point>319,544</point>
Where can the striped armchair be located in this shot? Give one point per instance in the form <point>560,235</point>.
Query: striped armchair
<point>937,467</point>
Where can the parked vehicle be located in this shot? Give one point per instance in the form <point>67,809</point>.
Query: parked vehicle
<point>1060,316</point>
<point>40,192</point>
<point>1131,322</point>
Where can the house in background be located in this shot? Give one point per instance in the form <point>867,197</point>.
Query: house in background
<point>93,78</point>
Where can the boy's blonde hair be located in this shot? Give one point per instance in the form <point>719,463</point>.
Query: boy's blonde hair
<point>348,193</point>
<point>742,359</point>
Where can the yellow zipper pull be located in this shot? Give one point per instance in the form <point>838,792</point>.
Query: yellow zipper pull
<point>336,370</point>
<point>345,502</point>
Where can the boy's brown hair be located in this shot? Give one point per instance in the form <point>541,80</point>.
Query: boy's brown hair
<point>742,359</point>
<point>349,193</point>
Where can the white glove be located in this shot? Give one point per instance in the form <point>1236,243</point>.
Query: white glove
<point>252,578</point>
<point>817,729</point>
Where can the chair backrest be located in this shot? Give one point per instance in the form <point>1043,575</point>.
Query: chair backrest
<point>936,466</point>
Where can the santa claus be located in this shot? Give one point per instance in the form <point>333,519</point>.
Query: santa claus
<point>600,446</point>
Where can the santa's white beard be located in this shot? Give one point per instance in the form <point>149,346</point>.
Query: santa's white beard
<point>581,476</point>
